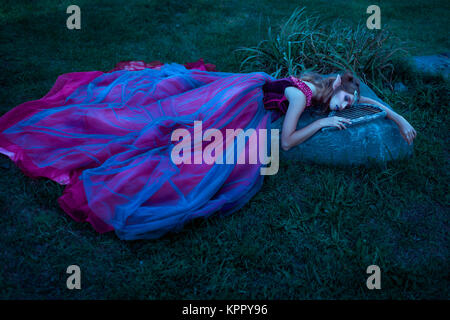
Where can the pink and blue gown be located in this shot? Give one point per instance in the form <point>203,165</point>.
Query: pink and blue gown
<point>106,136</point>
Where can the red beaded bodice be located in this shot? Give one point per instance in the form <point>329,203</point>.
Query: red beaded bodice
<point>304,88</point>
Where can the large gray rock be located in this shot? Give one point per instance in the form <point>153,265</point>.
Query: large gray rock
<point>378,140</point>
<point>434,64</point>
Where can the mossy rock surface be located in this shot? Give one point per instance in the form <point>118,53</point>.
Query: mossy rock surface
<point>374,141</point>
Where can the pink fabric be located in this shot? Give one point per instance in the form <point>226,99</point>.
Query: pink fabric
<point>73,201</point>
<point>107,137</point>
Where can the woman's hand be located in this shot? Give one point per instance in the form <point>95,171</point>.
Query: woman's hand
<point>335,121</point>
<point>406,130</point>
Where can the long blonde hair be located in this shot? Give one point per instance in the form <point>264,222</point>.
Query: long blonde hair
<point>324,86</point>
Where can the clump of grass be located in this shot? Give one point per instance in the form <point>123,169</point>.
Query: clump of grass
<point>308,43</point>
<point>285,52</point>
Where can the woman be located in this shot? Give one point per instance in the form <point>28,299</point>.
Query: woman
<point>108,138</point>
<point>290,96</point>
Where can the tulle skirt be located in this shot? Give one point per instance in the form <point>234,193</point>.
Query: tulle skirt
<point>108,138</point>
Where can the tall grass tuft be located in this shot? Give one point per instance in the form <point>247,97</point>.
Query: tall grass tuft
<point>308,43</point>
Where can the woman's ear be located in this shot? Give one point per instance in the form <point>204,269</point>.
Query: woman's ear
<point>337,82</point>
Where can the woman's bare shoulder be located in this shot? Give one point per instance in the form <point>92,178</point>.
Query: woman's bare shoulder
<point>293,93</point>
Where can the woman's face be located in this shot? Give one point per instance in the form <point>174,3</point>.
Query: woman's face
<point>341,100</point>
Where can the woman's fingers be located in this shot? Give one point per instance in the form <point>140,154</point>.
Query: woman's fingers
<point>341,125</point>
<point>346,120</point>
<point>405,137</point>
<point>409,135</point>
<point>340,122</point>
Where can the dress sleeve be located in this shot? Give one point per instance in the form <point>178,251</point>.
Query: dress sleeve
<point>274,98</point>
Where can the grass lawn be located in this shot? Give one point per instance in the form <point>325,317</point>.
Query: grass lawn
<point>311,231</point>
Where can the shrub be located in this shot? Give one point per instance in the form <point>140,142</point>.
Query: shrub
<point>308,43</point>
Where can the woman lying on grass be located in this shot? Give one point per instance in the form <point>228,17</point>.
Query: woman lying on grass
<point>107,136</point>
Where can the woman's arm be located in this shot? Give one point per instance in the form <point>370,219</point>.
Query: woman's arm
<point>390,114</point>
<point>297,103</point>
<point>406,130</point>
<point>290,136</point>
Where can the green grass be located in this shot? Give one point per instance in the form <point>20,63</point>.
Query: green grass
<point>309,233</point>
